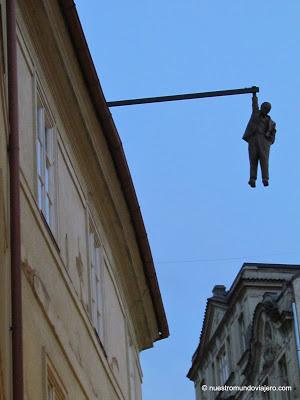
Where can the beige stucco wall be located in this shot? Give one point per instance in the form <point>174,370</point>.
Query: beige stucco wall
<point>55,293</point>
<point>57,324</point>
<point>40,341</point>
<point>55,280</point>
<point>26,116</point>
<point>72,227</point>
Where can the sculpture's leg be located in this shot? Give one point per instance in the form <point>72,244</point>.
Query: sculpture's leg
<point>264,152</point>
<point>253,158</point>
<point>264,165</point>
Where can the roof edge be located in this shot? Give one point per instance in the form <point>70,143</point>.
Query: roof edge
<point>69,12</point>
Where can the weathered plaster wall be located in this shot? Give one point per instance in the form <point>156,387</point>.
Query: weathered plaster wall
<point>56,302</point>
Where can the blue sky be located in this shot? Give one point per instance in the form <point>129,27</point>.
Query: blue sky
<point>188,162</point>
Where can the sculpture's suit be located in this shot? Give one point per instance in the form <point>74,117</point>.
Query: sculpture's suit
<point>260,134</point>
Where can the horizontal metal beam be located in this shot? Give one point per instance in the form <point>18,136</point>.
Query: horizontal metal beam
<point>189,96</point>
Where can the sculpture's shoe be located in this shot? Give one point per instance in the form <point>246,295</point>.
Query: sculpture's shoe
<point>252,183</point>
<point>265,182</point>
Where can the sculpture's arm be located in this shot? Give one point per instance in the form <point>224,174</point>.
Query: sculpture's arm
<point>255,107</point>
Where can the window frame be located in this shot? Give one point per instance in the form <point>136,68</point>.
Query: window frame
<point>46,161</point>
<point>54,382</point>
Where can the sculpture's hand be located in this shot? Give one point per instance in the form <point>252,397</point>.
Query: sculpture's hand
<point>254,103</point>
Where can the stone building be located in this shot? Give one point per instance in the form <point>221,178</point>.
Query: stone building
<point>250,335</point>
<point>90,300</point>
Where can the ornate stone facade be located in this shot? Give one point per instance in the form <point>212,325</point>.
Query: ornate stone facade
<point>254,342</point>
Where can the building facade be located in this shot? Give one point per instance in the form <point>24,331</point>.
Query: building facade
<point>250,336</point>
<point>90,297</point>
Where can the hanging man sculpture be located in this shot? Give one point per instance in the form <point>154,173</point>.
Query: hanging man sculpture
<point>260,134</point>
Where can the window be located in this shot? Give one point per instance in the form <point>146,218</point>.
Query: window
<point>242,333</point>
<point>55,390</point>
<point>96,291</point>
<point>45,164</point>
<point>223,367</point>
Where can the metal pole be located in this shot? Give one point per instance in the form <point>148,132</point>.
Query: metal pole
<point>15,214</point>
<point>188,96</point>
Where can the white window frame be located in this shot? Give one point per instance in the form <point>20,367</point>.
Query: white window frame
<point>96,265</point>
<point>45,163</point>
<point>55,389</point>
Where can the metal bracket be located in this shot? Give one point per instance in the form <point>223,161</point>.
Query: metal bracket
<point>189,96</point>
